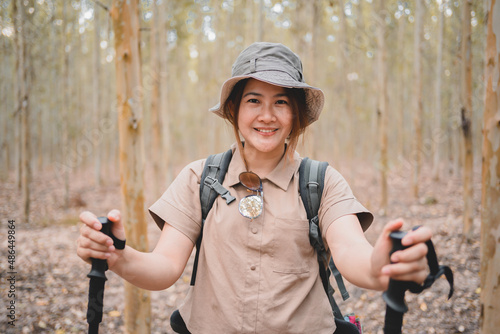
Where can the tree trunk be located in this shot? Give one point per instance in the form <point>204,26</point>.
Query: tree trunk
<point>96,97</point>
<point>159,169</point>
<point>401,87</point>
<point>165,109</point>
<point>416,153</point>
<point>65,142</point>
<point>346,110</point>
<point>437,112</point>
<point>17,105</point>
<point>310,70</point>
<point>466,113</point>
<point>125,17</point>
<point>5,92</point>
<point>383,104</point>
<point>260,27</point>
<point>23,106</point>
<point>490,215</point>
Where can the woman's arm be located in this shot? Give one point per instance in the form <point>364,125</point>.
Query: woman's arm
<point>369,266</point>
<point>157,270</point>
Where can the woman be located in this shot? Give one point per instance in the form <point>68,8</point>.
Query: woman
<point>260,275</point>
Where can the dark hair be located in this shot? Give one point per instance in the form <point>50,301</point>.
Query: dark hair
<point>298,105</point>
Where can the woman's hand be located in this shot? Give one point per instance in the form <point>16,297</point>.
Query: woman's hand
<point>92,243</point>
<point>409,264</point>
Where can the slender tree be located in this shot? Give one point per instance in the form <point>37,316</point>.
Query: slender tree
<point>66,104</point>
<point>383,103</point>
<point>159,169</point>
<point>23,104</point>
<point>163,58</point>
<point>400,88</point>
<point>96,92</point>
<point>437,104</point>
<point>125,17</point>
<point>345,66</point>
<point>260,20</point>
<point>5,92</point>
<point>490,215</point>
<point>466,114</point>
<point>416,154</point>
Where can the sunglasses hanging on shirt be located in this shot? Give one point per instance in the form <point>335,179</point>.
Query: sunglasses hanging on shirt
<point>251,206</point>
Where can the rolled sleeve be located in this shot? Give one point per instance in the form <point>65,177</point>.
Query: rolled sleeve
<point>180,205</point>
<point>338,200</point>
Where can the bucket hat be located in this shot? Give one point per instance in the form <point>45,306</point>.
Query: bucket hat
<point>276,64</point>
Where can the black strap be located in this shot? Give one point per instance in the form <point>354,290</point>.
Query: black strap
<point>393,317</point>
<point>178,324</point>
<point>212,177</point>
<point>311,183</point>
<point>436,271</point>
<point>118,243</point>
<point>211,181</point>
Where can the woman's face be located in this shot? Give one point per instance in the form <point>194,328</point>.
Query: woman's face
<point>265,117</point>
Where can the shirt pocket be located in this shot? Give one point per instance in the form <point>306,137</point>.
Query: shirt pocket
<point>291,251</point>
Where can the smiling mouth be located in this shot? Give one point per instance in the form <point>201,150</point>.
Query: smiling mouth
<point>266,130</point>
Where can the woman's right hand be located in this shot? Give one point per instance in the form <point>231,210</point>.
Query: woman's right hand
<point>92,243</point>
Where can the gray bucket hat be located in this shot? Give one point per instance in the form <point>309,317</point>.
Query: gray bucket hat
<point>275,64</point>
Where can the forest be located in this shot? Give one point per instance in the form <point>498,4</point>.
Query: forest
<point>104,101</point>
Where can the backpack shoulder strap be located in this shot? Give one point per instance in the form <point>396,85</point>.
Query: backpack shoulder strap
<point>211,181</point>
<point>311,183</point>
<point>312,180</point>
<point>212,177</point>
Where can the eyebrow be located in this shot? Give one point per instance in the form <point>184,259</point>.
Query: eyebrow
<point>259,94</point>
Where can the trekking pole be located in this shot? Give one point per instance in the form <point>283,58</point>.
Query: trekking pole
<point>96,285</point>
<point>395,294</point>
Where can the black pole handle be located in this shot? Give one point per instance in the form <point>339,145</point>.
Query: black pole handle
<point>99,266</point>
<point>395,294</point>
<point>96,285</point>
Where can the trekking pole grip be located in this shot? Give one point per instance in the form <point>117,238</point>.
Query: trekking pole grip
<point>395,294</point>
<point>100,266</point>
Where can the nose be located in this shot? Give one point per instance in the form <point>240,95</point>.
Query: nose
<point>267,114</point>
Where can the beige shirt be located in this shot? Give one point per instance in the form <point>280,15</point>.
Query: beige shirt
<point>256,276</point>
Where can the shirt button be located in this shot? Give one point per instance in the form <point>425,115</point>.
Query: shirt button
<point>253,267</point>
<point>254,230</point>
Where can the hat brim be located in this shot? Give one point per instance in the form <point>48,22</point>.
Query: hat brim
<point>314,96</point>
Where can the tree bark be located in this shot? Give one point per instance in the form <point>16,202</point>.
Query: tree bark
<point>23,106</point>
<point>312,51</point>
<point>466,113</point>
<point>5,92</point>
<point>383,103</point>
<point>125,17</point>
<point>165,107</point>
<point>96,94</point>
<point>158,159</point>
<point>401,94</point>
<point>346,86</point>
<point>260,27</point>
<point>65,142</point>
<point>490,215</point>
<point>416,153</point>
<point>437,112</point>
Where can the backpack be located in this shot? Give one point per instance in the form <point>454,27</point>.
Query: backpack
<point>311,182</point>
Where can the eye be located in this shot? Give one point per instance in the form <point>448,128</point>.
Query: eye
<point>282,102</point>
<point>253,100</point>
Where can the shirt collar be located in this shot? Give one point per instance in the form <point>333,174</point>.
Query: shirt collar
<point>280,176</point>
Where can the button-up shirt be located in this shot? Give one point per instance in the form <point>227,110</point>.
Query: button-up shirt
<point>256,275</point>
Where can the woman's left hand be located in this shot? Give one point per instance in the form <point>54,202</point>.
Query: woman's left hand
<point>409,264</point>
